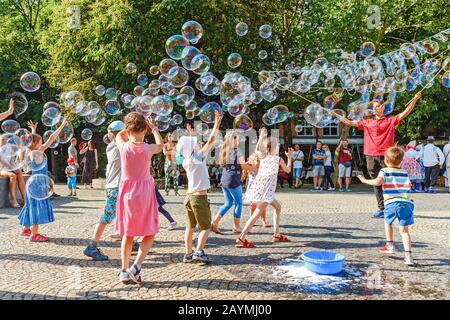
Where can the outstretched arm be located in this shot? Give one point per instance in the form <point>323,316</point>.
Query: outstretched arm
<point>159,143</point>
<point>378,181</point>
<point>410,106</point>
<point>10,111</point>
<point>32,126</point>
<point>210,143</point>
<point>342,118</point>
<point>287,167</point>
<point>53,136</point>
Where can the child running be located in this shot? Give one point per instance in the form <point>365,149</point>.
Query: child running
<point>137,208</point>
<point>71,173</point>
<point>196,203</point>
<point>262,190</point>
<point>37,212</point>
<point>398,204</point>
<point>233,162</point>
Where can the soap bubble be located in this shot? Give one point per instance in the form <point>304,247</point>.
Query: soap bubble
<point>283,113</point>
<point>189,91</point>
<point>298,128</point>
<point>192,30</point>
<point>339,112</point>
<point>47,135</point>
<point>80,107</point>
<point>25,138</point>
<point>165,65</point>
<point>162,105</point>
<point>262,54</point>
<point>265,31</point>
<point>314,113</point>
<point>188,55</point>
<point>100,90</point>
<point>66,133</point>
<point>50,104</point>
<point>176,120</point>
<point>138,90</point>
<point>178,77</point>
<point>111,94</point>
<point>30,81</point>
<point>200,64</point>
<point>20,102</point>
<point>130,68</point>
<point>367,49</point>
<point>142,79</point>
<point>445,80</point>
<point>10,126</point>
<point>72,98</point>
<point>430,46</point>
<point>191,106</point>
<point>234,60</point>
<point>50,117</point>
<point>10,155</point>
<point>243,123</point>
<point>253,46</point>
<point>267,121</point>
<point>201,128</point>
<point>112,107</point>
<point>35,160</point>
<point>182,99</point>
<point>162,123</point>
<point>154,70</point>
<point>86,134</point>
<point>40,187</point>
<point>175,45</point>
<point>207,113</point>
<point>241,29</point>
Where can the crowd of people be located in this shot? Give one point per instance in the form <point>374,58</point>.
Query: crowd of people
<point>133,200</point>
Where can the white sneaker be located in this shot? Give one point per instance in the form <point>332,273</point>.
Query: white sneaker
<point>331,189</point>
<point>409,260</point>
<point>172,226</point>
<point>124,277</point>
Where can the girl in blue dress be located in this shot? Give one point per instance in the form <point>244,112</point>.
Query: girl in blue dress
<point>37,212</point>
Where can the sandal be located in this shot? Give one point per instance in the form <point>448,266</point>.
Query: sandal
<point>236,231</point>
<point>280,238</point>
<point>215,229</point>
<point>244,243</point>
<point>15,205</point>
<point>265,225</point>
<point>26,232</point>
<point>38,238</point>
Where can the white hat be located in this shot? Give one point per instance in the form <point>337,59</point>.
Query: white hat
<point>186,145</point>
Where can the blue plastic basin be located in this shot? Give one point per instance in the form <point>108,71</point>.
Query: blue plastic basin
<point>323,262</point>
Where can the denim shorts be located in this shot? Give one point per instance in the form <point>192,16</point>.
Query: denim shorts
<point>297,173</point>
<point>401,210</point>
<point>318,171</point>
<point>110,206</point>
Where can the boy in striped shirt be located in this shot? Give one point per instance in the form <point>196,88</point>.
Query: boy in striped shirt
<point>398,204</point>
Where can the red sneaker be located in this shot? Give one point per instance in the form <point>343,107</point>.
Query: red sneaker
<point>387,249</point>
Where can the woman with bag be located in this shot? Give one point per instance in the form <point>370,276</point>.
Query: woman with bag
<point>345,165</point>
<point>232,161</point>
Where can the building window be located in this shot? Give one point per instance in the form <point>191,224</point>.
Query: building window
<point>307,131</point>
<point>331,130</point>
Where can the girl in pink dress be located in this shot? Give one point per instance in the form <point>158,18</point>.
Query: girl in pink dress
<point>411,164</point>
<point>137,208</point>
<point>262,190</point>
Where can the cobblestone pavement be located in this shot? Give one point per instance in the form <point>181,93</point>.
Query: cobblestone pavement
<point>326,221</point>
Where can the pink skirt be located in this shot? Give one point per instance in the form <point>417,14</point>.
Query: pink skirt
<point>137,209</point>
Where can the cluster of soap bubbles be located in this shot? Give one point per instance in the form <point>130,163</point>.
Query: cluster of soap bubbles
<point>277,114</point>
<point>372,77</point>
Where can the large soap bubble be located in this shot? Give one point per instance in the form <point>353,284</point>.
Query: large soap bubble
<point>30,81</point>
<point>187,56</point>
<point>47,135</point>
<point>100,90</point>
<point>162,105</point>
<point>367,49</point>
<point>20,102</point>
<point>243,123</point>
<point>112,107</point>
<point>10,126</point>
<point>314,113</point>
<point>175,46</point>
<point>200,64</point>
<point>50,117</point>
<point>35,161</point>
<point>207,112</point>
<point>192,30</point>
<point>40,187</point>
<point>66,133</point>
<point>25,138</point>
<point>130,68</point>
<point>178,77</point>
<point>166,64</point>
<point>10,156</point>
